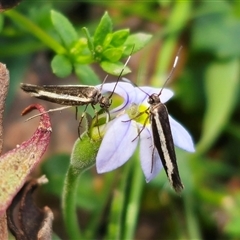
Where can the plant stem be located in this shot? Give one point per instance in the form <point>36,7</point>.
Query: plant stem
<point>36,31</point>
<point>69,204</point>
<point>115,226</point>
<point>177,21</point>
<point>192,224</point>
<point>133,205</point>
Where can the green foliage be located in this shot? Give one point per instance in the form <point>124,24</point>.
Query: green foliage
<point>104,46</point>
<point>217,116</point>
<point>64,28</point>
<point>57,66</point>
<point>219,24</point>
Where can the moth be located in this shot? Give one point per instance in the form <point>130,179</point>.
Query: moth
<point>163,140</point>
<point>69,95</point>
<point>73,95</point>
<point>162,135</point>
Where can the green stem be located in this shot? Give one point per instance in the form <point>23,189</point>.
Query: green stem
<point>36,31</point>
<point>192,224</point>
<point>91,228</point>
<point>133,205</point>
<point>69,203</point>
<point>115,226</point>
<point>177,21</point>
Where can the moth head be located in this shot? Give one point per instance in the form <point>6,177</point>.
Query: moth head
<point>153,99</point>
<point>105,102</point>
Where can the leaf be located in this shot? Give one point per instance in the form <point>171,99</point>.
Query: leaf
<point>4,81</point>
<point>1,22</point>
<point>64,28</point>
<point>115,68</point>
<point>107,40</point>
<point>119,37</point>
<point>104,28</point>
<point>32,222</point>
<point>221,84</point>
<point>138,41</point>
<point>113,54</point>
<point>17,164</point>
<point>86,74</point>
<point>89,39</point>
<point>3,226</point>
<point>61,66</point>
<point>220,25</point>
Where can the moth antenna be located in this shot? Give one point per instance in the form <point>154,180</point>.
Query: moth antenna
<point>50,110</point>
<point>104,80</point>
<point>135,85</point>
<point>120,75</point>
<point>172,70</point>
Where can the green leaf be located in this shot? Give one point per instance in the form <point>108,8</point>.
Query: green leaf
<point>86,74</point>
<point>114,68</point>
<point>61,66</point>
<point>221,84</point>
<point>222,29</point>
<point>1,22</point>
<point>107,40</point>
<point>138,41</point>
<point>64,28</point>
<point>113,54</point>
<point>89,39</point>
<point>119,37</point>
<point>104,28</point>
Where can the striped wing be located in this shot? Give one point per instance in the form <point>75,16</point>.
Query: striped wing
<point>163,142</point>
<point>69,95</point>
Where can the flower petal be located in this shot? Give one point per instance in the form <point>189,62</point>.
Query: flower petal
<point>125,90</point>
<point>150,160</point>
<point>143,97</point>
<point>181,137</point>
<point>117,145</point>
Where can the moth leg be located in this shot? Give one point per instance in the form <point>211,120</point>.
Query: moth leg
<point>48,111</point>
<point>80,121</point>
<point>139,114</point>
<point>144,125</point>
<point>76,113</point>
<point>96,115</point>
<point>152,158</point>
<point>108,116</point>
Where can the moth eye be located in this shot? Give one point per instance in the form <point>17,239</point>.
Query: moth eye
<point>150,100</point>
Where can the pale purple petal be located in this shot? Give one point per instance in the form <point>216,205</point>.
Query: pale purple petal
<point>150,160</point>
<point>142,96</point>
<point>124,90</point>
<point>181,137</point>
<point>117,145</point>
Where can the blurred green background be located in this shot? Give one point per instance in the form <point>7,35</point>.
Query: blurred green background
<point>206,102</point>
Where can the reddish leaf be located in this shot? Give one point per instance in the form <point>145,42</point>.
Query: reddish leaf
<point>31,221</point>
<point>4,82</point>
<point>3,227</point>
<point>18,163</point>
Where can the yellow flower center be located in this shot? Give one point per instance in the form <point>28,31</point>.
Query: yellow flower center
<point>139,113</point>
